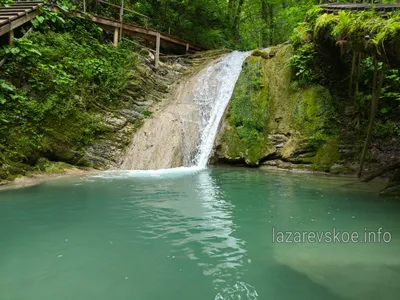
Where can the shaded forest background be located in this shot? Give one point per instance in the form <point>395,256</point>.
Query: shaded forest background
<point>234,24</point>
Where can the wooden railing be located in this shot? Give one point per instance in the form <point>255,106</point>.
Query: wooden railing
<point>354,2</point>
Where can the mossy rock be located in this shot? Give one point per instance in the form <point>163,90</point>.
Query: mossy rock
<point>247,114</point>
<point>265,104</point>
<point>260,53</point>
<point>47,166</point>
<point>10,170</point>
<point>326,156</point>
<point>313,111</point>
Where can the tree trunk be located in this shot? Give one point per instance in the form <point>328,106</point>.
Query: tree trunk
<point>267,13</point>
<point>353,67</point>
<point>376,93</point>
<point>236,20</point>
<point>271,24</point>
<point>358,73</point>
<point>264,17</point>
<point>380,172</point>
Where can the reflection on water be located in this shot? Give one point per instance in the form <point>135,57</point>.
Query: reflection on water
<point>198,235</point>
<point>229,250</point>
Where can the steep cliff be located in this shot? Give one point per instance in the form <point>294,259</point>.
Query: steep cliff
<point>272,121</point>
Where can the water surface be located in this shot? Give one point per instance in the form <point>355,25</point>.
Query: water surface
<point>198,235</point>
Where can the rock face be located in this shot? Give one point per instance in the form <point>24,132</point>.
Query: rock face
<point>143,97</point>
<point>393,187</point>
<point>271,121</point>
<point>162,140</point>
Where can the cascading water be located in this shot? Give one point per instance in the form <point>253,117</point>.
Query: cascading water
<point>182,134</point>
<point>212,95</point>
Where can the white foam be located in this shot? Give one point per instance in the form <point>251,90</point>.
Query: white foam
<point>172,172</point>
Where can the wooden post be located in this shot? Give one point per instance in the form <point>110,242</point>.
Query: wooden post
<point>121,18</point>
<point>187,48</point>
<point>376,94</point>
<point>147,22</point>
<point>353,68</point>
<point>358,73</point>
<point>11,37</point>
<point>115,37</point>
<point>157,57</point>
<point>84,6</point>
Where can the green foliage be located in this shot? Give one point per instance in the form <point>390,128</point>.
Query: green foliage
<point>147,114</point>
<point>325,24</point>
<point>301,35</point>
<point>389,32</point>
<point>389,104</point>
<point>54,84</point>
<point>326,155</point>
<point>312,14</point>
<point>5,2</point>
<point>304,64</point>
<point>367,31</point>
<point>343,25</point>
<point>314,114</point>
<point>248,111</point>
<point>235,24</point>
<point>386,129</point>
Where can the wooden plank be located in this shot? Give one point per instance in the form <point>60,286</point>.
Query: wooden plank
<point>114,23</point>
<point>18,4</point>
<point>16,11</point>
<point>26,3</point>
<point>9,16</point>
<point>5,13</point>
<point>16,8</point>
<point>115,37</point>
<point>129,10</point>
<point>21,6</point>
<point>121,18</point>
<point>142,32</point>
<point>157,56</point>
<point>18,22</point>
<point>11,37</point>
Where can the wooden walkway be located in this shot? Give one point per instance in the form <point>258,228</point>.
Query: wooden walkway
<point>16,15</point>
<point>143,32</point>
<point>355,7</point>
<point>21,12</point>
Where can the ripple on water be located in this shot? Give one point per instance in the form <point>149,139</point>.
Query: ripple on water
<point>203,235</point>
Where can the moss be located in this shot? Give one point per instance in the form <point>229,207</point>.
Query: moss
<point>248,113</point>
<point>265,103</point>
<point>326,155</point>
<point>302,34</point>
<point>47,166</point>
<point>9,170</point>
<point>260,53</point>
<point>313,113</point>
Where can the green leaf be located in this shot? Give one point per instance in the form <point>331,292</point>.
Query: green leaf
<point>40,19</point>
<point>2,99</point>
<point>5,86</point>
<point>384,110</point>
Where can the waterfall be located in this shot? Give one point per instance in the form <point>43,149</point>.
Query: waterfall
<point>182,133</point>
<point>211,96</point>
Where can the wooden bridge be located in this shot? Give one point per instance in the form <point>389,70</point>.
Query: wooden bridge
<point>16,15</point>
<point>354,6</point>
<point>21,12</point>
